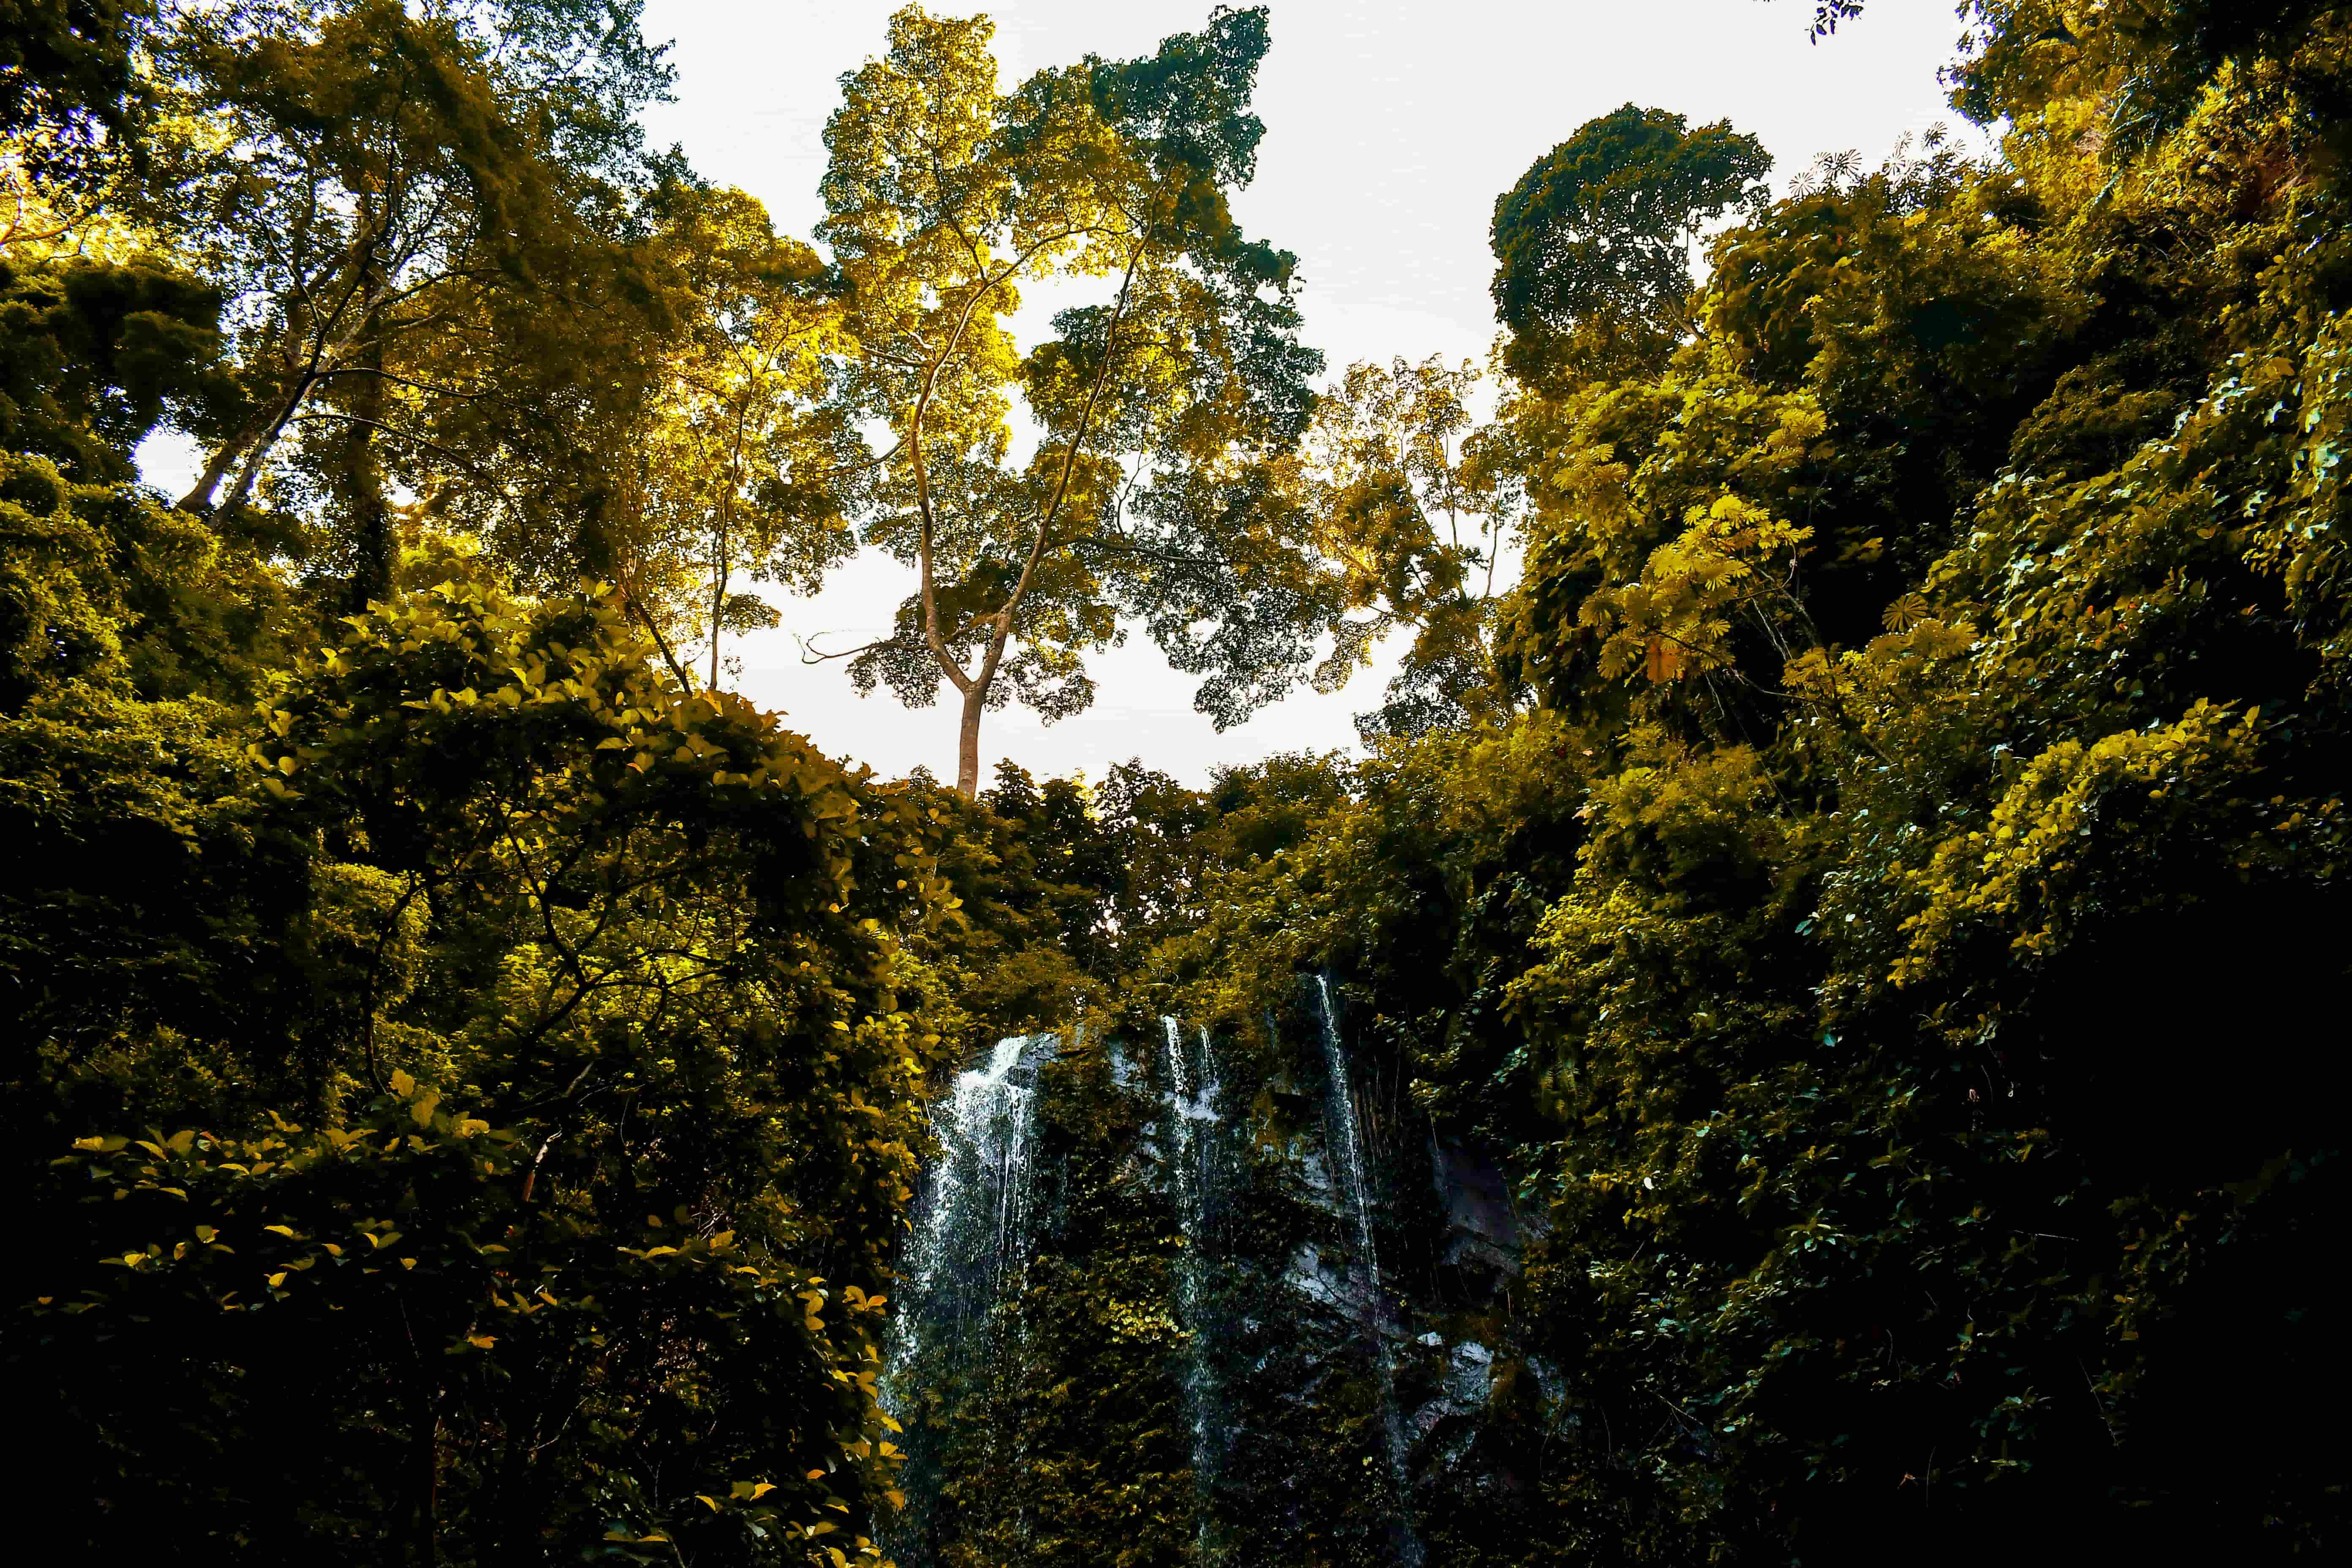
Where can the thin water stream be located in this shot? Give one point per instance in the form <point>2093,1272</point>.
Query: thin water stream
<point>1349,1172</point>
<point>1191,1122</point>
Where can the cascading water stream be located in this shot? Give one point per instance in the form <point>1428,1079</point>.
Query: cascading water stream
<point>964,1256</point>
<point>1190,1121</point>
<point>1349,1172</point>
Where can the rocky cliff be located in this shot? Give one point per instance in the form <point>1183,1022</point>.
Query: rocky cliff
<point>1211,1299</point>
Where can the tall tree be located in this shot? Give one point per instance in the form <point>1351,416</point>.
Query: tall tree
<point>391,181</point>
<point>1593,247</point>
<point>1156,408</point>
<point>746,465</point>
<point>1415,520</point>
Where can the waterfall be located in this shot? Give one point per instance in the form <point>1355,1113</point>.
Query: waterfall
<point>972,1219</point>
<point>1348,1174</point>
<point>962,1373</point>
<point>1190,1144</point>
<point>964,1256</point>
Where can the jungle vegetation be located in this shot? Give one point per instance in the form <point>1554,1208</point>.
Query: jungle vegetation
<point>1878,869</point>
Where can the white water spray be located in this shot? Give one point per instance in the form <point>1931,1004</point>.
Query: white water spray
<point>966,1255</point>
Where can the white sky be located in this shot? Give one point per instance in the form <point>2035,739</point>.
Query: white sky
<point>1391,125</point>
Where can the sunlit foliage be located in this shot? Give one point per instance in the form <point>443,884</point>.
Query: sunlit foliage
<point>1892,931</point>
<point>1859,832</point>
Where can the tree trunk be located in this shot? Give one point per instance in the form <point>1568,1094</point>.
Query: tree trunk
<point>425,1454</point>
<point>200,498</point>
<point>975,702</point>
<point>717,610</point>
<point>360,478</point>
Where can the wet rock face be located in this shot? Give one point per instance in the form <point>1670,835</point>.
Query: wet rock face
<point>1462,1392</point>
<point>1482,1223</point>
<point>1332,1372</point>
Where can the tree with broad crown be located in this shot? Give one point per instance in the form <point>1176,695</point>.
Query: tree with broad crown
<point>1152,489</point>
<point>412,210</point>
<point>1592,245</point>
<point>1410,512</point>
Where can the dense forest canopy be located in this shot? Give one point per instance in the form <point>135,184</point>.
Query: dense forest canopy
<point>1873,877</point>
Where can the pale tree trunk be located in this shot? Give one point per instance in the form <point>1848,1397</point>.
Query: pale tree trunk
<point>975,702</point>
<point>975,695</point>
<point>200,498</point>
<point>249,448</point>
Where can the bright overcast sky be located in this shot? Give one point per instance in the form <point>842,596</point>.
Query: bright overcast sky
<point>1391,127</point>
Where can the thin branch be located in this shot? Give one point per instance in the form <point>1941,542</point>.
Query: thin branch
<point>335,415</point>
<point>1149,552</point>
<point>403,379</point>
<point>685,683</point>
<point>913,440</point>
<point>1052,509</point>
<point>810,654</point>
